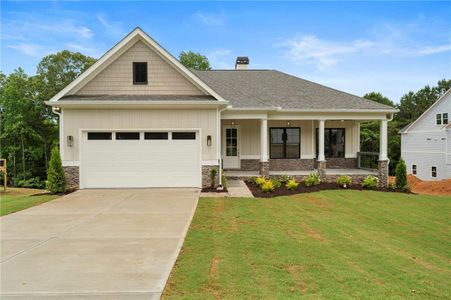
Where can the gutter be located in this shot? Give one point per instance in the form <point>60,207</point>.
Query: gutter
<point>131,102</point>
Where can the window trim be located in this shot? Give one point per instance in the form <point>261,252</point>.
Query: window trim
<point>414,169</point>
<point>177,139</point>
<point>134,70</point>
<point>284,143</point>
<point>138,132</point>
<point>107,132</point>
<point>432,172</point>
<point>156,132</point>
<point>438,119</point>
<point>326,155</point>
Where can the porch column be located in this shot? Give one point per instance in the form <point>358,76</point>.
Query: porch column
<point>321,157</point>
<point>264,164</point>
<point>383,157</point>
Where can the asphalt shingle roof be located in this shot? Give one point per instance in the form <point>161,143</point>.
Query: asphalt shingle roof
<point>270,88</point>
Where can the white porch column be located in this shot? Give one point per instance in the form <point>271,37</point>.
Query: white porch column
<point>321,141</point>
<point>263,140</point>
<point>383,141</point>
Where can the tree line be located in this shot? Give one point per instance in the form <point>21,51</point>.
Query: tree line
<point>29,129</point>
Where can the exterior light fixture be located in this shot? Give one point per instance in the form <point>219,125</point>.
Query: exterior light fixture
<point>70,141</point>
<point>233,124</point>
<point>288,123</point>
<point>56,109</point>
<point>208,140</point>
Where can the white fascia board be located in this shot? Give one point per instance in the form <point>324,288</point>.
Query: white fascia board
<point>448,92</point>
<point>121,47</point>
<point>135,104</point>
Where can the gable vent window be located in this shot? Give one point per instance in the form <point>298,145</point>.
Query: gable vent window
<point>139,73</point>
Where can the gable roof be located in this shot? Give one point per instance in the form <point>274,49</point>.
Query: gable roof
<point>270,88</point>
<point>120,48</point>
<point>439,100</point>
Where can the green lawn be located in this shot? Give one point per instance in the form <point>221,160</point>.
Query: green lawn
<point>327,245</point>
<point>16,199</point>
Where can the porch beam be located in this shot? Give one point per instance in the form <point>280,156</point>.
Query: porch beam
<point>321,156</point>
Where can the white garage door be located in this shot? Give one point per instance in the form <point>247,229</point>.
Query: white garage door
<point>122,159</point>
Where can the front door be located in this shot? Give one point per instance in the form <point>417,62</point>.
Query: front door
<point>231,148</point>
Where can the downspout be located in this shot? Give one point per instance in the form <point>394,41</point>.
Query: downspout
<point>218,143</point>
<point>57,111</point>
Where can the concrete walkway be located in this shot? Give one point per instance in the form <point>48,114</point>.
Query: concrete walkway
<point>96,244</point>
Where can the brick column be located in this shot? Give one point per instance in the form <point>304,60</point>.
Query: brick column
<point>322,170</point>
<point>264,168</point>
<point>383,172</point>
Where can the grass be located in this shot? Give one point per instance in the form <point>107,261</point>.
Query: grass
<point>16,199</point>
<point>325,245</point>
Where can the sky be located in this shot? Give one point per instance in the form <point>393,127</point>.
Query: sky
<point>357,47</point>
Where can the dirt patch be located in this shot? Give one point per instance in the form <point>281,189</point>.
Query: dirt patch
<point>316,235</point>
<point>418,186</point>
<point>302,188</point>
<point>318,202</point>
<point>295,271</point>
<point>214,265</point>
<point>219,206</point>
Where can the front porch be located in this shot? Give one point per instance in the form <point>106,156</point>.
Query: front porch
<point>297,147</point>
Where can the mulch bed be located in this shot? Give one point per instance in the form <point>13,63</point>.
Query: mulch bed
<point>213,190</point>
<point>302,188</point>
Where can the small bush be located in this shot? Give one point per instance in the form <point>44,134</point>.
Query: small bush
<point>259,181</point>
<point>213,173</point>
<point>224,180</point>
<point>56,180</point>
<point>370,182</point>
<point>252,179</point>
<point>33,183</point>
<point>277,184</point>
<point>312,179</point>
<point>292,184</point>
<point>401,175</point>
<point>285,178</point>
<point>267,186</point>
<point>344,181</point>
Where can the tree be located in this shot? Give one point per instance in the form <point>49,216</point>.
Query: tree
<point>378,97</point>
<point>194,60</point>
<point>56,180</point>
<point>401,175</point>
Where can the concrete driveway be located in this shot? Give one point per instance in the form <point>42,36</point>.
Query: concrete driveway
<point>102,244</point>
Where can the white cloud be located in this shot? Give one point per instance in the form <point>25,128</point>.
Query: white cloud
<point>83,49</point>
<point>113,28</point>
<point>220,58</point>
<point>31,49</point>
<point>209,19</point>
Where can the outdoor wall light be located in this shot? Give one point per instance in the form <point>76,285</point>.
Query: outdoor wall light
<point>288,123</point>
<point>70,141</point>
<point>233,124</point>
<point>208,140</point>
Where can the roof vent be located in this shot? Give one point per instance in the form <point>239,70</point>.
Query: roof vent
<point>242,63</point>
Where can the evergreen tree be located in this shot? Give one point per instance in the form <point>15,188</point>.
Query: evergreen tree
<point>401,175</point>
<point>56,180</point>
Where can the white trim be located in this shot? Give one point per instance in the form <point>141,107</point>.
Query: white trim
<point>427,110</point>
<point>136,34</point>
<point>424,152</point>
<point>69,103</point>
<point>350,155</point>
<point>307,156</point>
<point>280,109</point>
<point>61,134</point>
<point>211,162</point>
<point>71,163</point>
<point>224,143</point>
<point>253,156</point>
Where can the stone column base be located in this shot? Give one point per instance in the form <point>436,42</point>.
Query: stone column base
<point>206,180</point>
<point>383,172</point>
<point>72,177</point>
<point>264,168</point>
<point>322,170</point>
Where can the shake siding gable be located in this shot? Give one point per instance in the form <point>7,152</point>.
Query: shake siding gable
<point>117,78</point>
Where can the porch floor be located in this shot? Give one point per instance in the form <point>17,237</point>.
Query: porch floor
<point>239,173</point>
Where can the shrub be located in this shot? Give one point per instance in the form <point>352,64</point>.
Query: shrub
<point>213,173</point>
<point>259,181</point>
<point>252,179</point>
<point>276,183</point>
<point>224,180</point>
<point>344,181</point>
<point>312,179</point>
<point>292,184</point>
<point>401,175</point>
<point>285,178</point>
<point>370,182</point>
<point>33,183</point>
<point>56,180</point>
<point>267,186</point>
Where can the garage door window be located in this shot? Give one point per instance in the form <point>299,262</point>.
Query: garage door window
<point>155,135</point>
<point>183,135</point>
<point>99,136</point>
<point>127,135</point>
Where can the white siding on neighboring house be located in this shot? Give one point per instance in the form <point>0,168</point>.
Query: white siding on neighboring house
<point>117,78</point>
<point>426,144</point>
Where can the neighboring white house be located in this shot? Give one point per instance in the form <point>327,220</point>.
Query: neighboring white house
<point>139,118</point>
<point>426,143</point>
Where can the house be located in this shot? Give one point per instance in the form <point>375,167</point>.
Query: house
<point>426,143</point>
<point>139,118</point>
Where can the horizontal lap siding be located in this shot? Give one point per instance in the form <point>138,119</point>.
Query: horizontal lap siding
<point>139,119</point>
<point>117,78</point>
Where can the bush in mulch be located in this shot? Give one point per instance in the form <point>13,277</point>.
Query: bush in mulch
<point>302,188</point>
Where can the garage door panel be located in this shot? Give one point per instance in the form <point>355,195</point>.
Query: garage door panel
<point>140,163</point>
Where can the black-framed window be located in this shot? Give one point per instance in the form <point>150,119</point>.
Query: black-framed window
<point>334,142</point>
<point>99,136</point>
<point>445,118</point>
<point>285,142</point>
<point>140,73</point>
<point>183,135</point>
<point>127,135</point>
<point>414,169</point>
<point>438,119</point>
<point>155,135</point>
<point>434,171</point>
